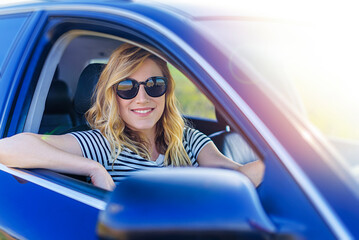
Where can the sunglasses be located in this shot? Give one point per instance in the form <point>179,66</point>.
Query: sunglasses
<point>154,87</point>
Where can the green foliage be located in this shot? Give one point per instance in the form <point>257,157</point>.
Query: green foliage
<point>192,101</point>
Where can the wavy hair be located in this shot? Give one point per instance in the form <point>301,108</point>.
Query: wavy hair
<point>104,113</point>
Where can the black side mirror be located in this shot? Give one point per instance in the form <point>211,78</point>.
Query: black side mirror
<point>184,203</point>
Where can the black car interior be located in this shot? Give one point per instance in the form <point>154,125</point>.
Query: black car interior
<point>58,114</point>
<point>63,114</point>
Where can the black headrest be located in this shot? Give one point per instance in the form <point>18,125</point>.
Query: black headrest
<point>86,86</point>
<point>58,100</point>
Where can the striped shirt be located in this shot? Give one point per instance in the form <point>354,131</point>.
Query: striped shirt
<point>96,147</point>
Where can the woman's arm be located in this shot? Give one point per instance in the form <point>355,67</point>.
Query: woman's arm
<point>210,156</point>
<point>59,153</point>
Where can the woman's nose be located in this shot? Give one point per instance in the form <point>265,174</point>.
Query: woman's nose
<point>142,95</point>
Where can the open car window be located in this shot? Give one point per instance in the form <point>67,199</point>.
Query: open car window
<point>193,102</point>
<point>54,107</point>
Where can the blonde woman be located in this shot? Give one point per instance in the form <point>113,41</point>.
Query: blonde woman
<point>135,126</point>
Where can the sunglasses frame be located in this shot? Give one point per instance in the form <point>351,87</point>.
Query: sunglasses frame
<point>138,84</point>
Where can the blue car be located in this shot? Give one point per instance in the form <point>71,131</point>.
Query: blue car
<point>263,85</point>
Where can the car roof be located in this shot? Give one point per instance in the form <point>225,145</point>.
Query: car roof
<point>199,9</point>
<point>234,8</point>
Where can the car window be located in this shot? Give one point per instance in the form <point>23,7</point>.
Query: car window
<point>11,25</point>
<point>62,113</point>
<point>192,102</point>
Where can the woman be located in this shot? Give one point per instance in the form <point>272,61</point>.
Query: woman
<point>136,125</point>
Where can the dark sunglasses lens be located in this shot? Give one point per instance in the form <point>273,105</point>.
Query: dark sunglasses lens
<point>127,89</point>
<point>156,86</point>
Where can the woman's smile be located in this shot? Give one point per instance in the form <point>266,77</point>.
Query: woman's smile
<point>143,112</point>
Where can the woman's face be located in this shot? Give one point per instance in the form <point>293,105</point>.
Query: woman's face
<point>142,112</point>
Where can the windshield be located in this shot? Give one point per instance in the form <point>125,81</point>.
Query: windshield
<point>313,66</point>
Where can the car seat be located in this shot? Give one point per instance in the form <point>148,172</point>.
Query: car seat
<point>57,115</point>
<point>84,93</point>
<point>232,144</point>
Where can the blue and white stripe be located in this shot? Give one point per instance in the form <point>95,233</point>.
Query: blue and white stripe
<point>96,147</point>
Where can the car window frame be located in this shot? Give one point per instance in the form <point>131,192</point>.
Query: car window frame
<point>53,56</point>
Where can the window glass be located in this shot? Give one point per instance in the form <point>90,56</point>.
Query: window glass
<point>312,65</point>
<point>192,101</point>
<point>11,25</point>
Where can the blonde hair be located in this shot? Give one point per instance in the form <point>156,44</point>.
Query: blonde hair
<point>104,114</point>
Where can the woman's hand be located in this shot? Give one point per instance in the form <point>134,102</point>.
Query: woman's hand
<point>101,178</point>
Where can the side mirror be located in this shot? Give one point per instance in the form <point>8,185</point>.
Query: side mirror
<point>184,203</point>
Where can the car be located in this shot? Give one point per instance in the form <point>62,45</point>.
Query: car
<point>262,84</point>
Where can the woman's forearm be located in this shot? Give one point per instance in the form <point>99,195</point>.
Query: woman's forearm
<point>30,151</point>
<point>211,157</point>
<point>254,171</point>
